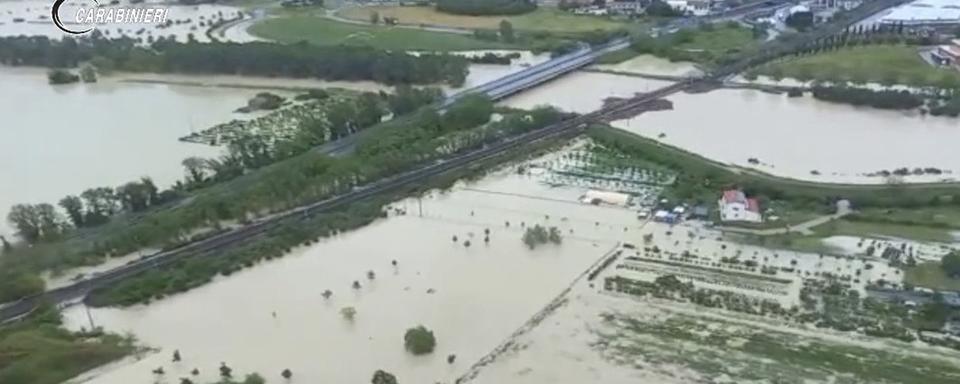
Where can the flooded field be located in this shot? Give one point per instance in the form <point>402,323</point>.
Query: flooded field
<point>473,294</point>
<point>32,18</point>
<point>605,338</point>
<point>712,249</point>
<point>922,251</point>
<point>472,297</point>
<point>850,143</point>
<point>62,140</point>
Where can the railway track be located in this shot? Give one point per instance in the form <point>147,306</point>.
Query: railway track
<point>250,232</point>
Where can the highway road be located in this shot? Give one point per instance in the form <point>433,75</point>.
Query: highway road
<point>502,87</point>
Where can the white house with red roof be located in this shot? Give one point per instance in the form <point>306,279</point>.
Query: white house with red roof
<point>735,206</point>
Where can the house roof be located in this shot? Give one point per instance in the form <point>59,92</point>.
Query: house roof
<point>734,196</point>
<point>753,205</point>
<point>952,50</point>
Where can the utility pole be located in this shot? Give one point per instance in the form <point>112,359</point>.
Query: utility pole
<point>420,205</point>
<point>89,317</point>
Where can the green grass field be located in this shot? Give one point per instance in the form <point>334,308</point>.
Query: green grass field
<point>884,64</point>
<point>38,351</point>
<point>543,19</point>
<point>945,215</point>
<point>929,275</point>
<point>874,229</point>
<point>719,39</point>
<point>321,31</point>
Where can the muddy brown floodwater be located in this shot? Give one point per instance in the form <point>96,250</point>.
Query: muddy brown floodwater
<point>60,140</point>
<point>471,297</point>
<point>793,137</point>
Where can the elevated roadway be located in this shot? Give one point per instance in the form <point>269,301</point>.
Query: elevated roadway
<point>504,86</point>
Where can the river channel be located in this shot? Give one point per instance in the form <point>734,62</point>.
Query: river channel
<point>801,138</point>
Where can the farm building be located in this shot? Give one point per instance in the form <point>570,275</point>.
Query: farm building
<point>735,206</point>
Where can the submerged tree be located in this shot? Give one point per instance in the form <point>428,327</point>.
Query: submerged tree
<point>383,377</point>
<point>348,313</point>
<point>537,235</point>
<point>419,340</point>
<point>254,378</point>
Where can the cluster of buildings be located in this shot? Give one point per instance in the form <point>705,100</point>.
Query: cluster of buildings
<point>924,13</point>
<point>733,207</point>
<point>822,10</point>
<point>915,14</point>
<point>636,7</point>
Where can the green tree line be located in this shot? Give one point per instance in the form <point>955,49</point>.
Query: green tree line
<point>486,7</point>
<point>299,60</point>
<point>882,99</point>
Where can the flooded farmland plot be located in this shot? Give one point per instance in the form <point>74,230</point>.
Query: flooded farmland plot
<point>921,251</point>
<point>470,287</point>
<point>599,336</point>
<point>853,145</point>
<point>698,246</point>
